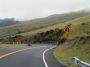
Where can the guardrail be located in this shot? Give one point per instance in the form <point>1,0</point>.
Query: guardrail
<point>79,63</point>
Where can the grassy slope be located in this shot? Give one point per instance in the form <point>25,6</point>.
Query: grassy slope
<point>61,25</point>
<point>38,23</point>
<point>63,53</point>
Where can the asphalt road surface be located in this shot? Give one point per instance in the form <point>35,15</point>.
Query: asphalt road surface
<point>35,56</point>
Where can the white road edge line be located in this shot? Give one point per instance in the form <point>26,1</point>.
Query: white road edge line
<point>44,55</point>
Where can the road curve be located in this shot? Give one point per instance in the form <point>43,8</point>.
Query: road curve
<point>33,57</point>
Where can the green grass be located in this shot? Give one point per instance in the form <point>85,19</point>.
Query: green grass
<point>11,45</point>
<point>33,25</point>
<point>80,27</point>
<point>64,53</point>
<point>76,24</point>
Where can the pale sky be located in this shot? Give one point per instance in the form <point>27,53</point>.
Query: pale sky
<point>30,9</point>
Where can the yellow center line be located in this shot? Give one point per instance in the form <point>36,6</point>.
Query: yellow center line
<point>2,56</point>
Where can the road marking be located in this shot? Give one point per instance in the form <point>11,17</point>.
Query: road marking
<point>44,55</point>
<point>2,56</point>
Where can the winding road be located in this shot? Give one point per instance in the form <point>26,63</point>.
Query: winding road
<point>33,56</point>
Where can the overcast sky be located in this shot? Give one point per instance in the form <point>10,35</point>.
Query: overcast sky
<point>29,9</point>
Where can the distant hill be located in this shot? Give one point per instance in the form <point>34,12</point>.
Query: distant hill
<point>79,27</point>
<point>58,18</point>
<point>77,24</point>
<point>31,25</point>
<point>7,22</point>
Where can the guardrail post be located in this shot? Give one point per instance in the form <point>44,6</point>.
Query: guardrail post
<point>78,64</point>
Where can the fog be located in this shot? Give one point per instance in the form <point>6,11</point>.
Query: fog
<point>30,9</point>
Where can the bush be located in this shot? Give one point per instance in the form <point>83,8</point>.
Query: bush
<point>16,36</point>
<point>83,23</point>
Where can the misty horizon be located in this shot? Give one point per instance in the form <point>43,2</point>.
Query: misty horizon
<point>31,9</point>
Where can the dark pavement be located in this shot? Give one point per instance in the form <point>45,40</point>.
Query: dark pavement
<point>32,57</point>
<point>51,60</point>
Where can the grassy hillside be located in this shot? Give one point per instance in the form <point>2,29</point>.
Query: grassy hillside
<point>79,21</point>
<point>76,48</point>
<point>79,46</point>
<point>31,25</point>
<point>7,22</point>
<point>54,33</point>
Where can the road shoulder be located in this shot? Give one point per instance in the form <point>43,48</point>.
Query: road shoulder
<point>51,60</point>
